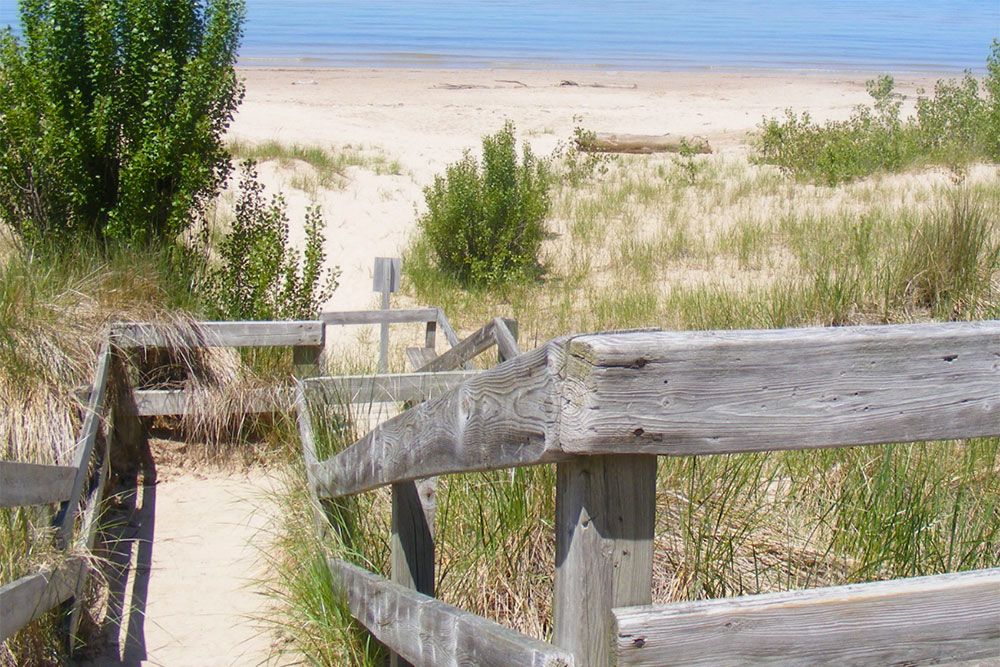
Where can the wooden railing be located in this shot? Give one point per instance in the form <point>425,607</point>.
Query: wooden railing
<point>603,407</point>
<point>78,490</point>
<point>78,486</point>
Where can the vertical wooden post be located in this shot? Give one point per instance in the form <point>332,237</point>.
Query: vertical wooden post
<point>430,337</point>
<point>413,509</point>
<point>605,516</point>
<point>512,327</point>
<point>306,358</point>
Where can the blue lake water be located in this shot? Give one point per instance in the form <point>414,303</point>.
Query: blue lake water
<point>883,35</point>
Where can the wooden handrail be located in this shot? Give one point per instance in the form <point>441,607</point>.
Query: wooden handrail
<point>34,484</point>
<point>920,620</point>
<point>398,316</point>
<point>218,334</point>
<point>696,393</point>
<point>429,633</point>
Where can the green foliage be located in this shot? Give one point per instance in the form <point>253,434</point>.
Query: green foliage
<point>485,225</point>
<point>576,165</point>
<point>959,123</point>
<point>260,276</point>
<point>112,116</point>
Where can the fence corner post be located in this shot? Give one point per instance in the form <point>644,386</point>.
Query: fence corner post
<point>605,520</point>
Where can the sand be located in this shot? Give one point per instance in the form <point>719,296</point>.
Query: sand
<point>425,119</point>
<point>191,594</point>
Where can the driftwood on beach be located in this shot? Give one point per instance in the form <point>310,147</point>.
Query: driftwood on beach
<point>605,142</point>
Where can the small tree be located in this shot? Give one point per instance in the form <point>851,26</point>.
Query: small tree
<point>259,276</point>
<point>112,114</point>
<point>486,225</point>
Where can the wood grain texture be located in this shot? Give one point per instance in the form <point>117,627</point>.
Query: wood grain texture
<point>66,517</point>
<point>469,348</point>
<point>307,437</point>
<point>347,389</point>
<point>27,598</point>
<point>714,392</point>
<point>503,332</point>
<point>605,516</point>
<point>498,419</point>
<point>219,334</point>
<point>923,620</point>
<point>446,328</point>
<point>429,633</point>
<point>400,316</point>
<point>420,356</point>
<point>393,388</point>
<point>34,484</point>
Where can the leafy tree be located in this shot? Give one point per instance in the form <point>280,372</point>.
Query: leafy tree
<point>112,114</point>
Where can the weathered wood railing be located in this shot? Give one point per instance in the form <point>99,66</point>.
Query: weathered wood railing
<point>603,407</point>
<point>78,489</point>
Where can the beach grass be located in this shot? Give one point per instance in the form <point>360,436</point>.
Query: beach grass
<point>327,166</point>
<point>741,246</point>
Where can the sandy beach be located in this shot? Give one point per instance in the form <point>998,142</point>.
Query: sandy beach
<point>426,118</point>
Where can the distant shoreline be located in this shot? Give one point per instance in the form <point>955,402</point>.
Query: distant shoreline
<point>429,64</point>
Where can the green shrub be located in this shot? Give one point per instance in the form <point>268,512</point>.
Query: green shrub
<point>485,225</point>
<point>112,115</point>
<point>260,276</point>
<point>959,123</point>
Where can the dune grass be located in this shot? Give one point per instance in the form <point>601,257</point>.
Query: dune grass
<point>328,165</point>
<point>740,246</point>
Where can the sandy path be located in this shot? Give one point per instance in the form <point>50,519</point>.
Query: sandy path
<point>189,593</point>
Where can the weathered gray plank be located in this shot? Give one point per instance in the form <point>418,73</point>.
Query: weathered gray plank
<point>27,598</point>
<point>714,392</point>
<point>219,334</point>
<point>503,332</point>
<point>446,328</point>
<point>159,402</point>
<point>497,419</point>
<point>429,633</point>
<point>420,356</point>
<point>85,446</point>
<point>308,440</point>
<point>34,484</point>
<point>400,316</point>
<point>430,333</point>
<point>391,388</point>
<point>88,533</point>
<point>348,389</point>
<point>923,620</point>
<point>605,516</point>
<point>411,557</point>
<point>469,348</point>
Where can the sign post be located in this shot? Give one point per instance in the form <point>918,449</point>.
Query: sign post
<point>386,280</point>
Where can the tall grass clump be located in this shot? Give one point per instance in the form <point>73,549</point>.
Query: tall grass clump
<point>485,222</point>
<point>112,116</point>
<point>958,124</point>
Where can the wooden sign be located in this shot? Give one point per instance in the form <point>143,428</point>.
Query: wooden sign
<point>387,272</point>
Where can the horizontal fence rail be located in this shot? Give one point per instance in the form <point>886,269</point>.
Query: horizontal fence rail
<point>27,598</point>
<point>400,316</point>
<point>429,633</point>
<point>921,620</point>
<point>218,334</point>
<point>698,393</point>
<point>34,484</point>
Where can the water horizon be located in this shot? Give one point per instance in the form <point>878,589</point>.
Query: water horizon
<point>658,35</point>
